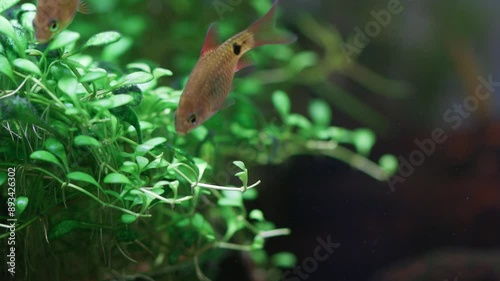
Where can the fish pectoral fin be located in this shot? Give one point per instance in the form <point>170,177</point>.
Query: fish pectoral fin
<point>212,38</point>
<point>242,63</point>
<point>227,103</point>
<point>83,7</point>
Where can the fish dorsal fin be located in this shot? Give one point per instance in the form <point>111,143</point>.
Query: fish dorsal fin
<point>83,7</point>
<point>212,39</point>
<point>242,63</point>
<point>264,30</point>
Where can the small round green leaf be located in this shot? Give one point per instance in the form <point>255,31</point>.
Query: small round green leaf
<point>46,156</point>
<point>103,38</point>
<point>234,224</point>
<point>160,72</point>
<point>27,16</point>
<point>140,66</point>
<point>258,243</point>
<point>63,228</point>
<point>86,141</point>
<point>114,194</point>
<point>250,194</point>
<point>117,178</point>
<point>298,121</point>
<point>139,77</point>
<point>259,257</point>
<point>231,198</point>
<point>265,226</point>
<point>129,167</point>
<point>114,101</point>
<point>115,50</point>
<point>338,134</point>
<point>6,27</point>
<point>281,102</point>
<point>142,162</point>
<point>320,113</point>
<point>27,66</point>
<point>240,165</point>
<point>80,176</point>
<point>68,85</point>
<point>120,100</point>
<point>174,185</point>
<point>92,76</point>
<point>243,175</point>
<point>157,163</point>
<point>389,163</point>
<point>363,140</point>
<point>72,111</point>
<point>56,148</point>
<point>148,145</point>
<point>21,204</point>
<point>62,40</point>
<point>284,259</point>
<point>256,215</point>
<point>303,60</point>
<point>5,4</point>
<point>201,165</point>
<point>202,225</point>
<point>6,68</point>
<point>128,219</point>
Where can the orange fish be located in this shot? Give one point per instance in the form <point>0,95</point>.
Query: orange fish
<point>53,16</point>
<point>210,81</point>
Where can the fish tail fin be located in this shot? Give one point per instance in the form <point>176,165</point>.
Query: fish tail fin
<point>264,30</point>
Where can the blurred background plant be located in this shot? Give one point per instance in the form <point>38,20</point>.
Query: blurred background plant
<point>106,189</point>
<point>96,201</point>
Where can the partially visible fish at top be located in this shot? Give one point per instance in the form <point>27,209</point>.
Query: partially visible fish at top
<point>53,16</point>
<point>210,81</point>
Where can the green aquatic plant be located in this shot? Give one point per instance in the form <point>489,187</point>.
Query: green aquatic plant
<point>101,174</point>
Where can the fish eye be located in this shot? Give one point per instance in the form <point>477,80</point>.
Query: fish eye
<point>192,119</point>
<point>53,25</point>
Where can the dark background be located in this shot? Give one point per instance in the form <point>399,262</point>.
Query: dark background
<point>443,221</point>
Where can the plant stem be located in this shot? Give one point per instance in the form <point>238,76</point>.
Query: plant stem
<point>77,74</point>
<point>349,157</point>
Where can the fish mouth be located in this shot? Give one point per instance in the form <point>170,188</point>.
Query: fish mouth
<point>41,40</point>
